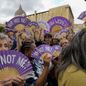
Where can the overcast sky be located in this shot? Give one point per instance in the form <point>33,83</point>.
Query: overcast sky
<point>8,7</point>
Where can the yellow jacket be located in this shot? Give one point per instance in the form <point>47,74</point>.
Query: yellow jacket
<point>72,77</point>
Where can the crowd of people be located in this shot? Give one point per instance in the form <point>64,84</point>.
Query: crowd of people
<point>70,70</point>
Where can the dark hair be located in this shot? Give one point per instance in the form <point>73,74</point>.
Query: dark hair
<point>26,45</point>
<point>74,53</point>
<point>48,35</point>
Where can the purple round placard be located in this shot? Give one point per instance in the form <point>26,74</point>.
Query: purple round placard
<point>45,24</point>
<point>41,50</point>
<point>59,20</point>
<point>14,59</point>
<point>56,47</point>
<point>17,20</point>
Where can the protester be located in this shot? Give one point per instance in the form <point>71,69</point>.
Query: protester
<point>3,42</point>
<point>38,36</point>
<point>9,81</point>
<point>70,36</point>
<point>55,41</point>
<point>64,42</point>
<point>12,36</point>
<point>72,69</point>
<point>40,74</point>
<point>48,39</point>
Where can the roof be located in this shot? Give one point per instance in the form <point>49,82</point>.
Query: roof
<point>20,11</point>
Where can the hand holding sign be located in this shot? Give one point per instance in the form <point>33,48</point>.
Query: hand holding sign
<point>18,80</point>
<point>47,59</point>
<point>56,50</point>
<point>6,82</point>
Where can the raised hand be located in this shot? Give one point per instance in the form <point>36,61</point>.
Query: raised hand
<point>6,82</point>
<point>47,59</point>
<point>18,80</point>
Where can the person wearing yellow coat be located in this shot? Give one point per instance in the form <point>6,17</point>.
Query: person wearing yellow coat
<point>72,69</point>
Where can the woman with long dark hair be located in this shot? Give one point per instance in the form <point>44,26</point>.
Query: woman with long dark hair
<point>72,69</point>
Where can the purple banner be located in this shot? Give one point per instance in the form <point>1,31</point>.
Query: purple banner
<point>58,20</point>
<point>17,20</point>
<point>56,50</point>
<point>63,31</point>
<point>44,25</point>
<point>17,60</point>
<point>35,53</point>
<point>41,50</point>
<point>33,23</point>
<point>82,15</point>
<point>56,47</point>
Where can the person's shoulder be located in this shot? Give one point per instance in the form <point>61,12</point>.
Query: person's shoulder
<point>73,76</point>
<point>76,80</point>
<point>74,72</point>
<point>68,71</point>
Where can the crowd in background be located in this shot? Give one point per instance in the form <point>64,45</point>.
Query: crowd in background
<point>70,69</point>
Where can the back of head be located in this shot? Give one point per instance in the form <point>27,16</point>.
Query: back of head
<point>75,52</point>
<point>27,45</point>
<point>78,49</point>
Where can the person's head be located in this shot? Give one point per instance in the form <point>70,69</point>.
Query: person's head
<point>55,41</point>
<point>4,45</point>
<point>27,48</point>
<point>29,39</point>
<point>70,36</point>
<point>48,38</point>
<point>10,33</point>
<point>75,53</point>
<point>63,33</point>
<point>64,42</point>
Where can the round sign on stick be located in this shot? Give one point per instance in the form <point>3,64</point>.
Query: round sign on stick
<point>57,23</point>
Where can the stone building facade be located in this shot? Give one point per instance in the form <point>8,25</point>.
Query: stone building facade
<point>64,11</point>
